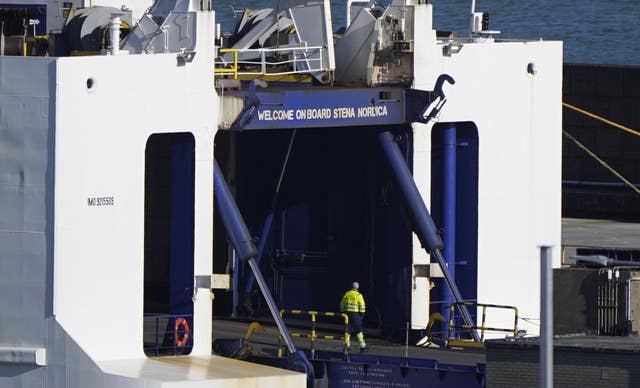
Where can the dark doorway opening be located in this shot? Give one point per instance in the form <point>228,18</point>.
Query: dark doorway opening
<point>169,244</point>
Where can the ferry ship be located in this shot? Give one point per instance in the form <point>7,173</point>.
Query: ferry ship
<point>425,165</point>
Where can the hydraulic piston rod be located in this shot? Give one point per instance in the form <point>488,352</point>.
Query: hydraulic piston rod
<point>245,248</point>
<point>423,224</point>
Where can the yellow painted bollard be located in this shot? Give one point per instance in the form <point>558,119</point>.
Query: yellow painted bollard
<point>313,334</point>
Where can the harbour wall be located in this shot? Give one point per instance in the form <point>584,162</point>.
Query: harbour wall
<point>516,364</point>
<point>589,189</point>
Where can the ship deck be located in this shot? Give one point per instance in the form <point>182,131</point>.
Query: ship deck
<point>265,343</point>
<point>576,233</point>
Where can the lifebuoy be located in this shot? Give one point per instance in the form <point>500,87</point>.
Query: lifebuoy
<point>182,342</point>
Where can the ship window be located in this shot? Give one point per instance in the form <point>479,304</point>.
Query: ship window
<point>169,244</point>
<point>384,96</point>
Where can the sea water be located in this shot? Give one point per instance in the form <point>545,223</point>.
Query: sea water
<point>593,31</point>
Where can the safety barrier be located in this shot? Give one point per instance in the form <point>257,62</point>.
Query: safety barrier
<point>233,70</point>
<point>451,341</point>
<point>312,335</point>
<point>303,59</point>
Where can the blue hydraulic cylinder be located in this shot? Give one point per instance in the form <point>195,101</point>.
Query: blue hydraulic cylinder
<point>246,251</point>
<point>231,217</point>
<point>263,241</point>
<point>449,211</point>
<point>423,223</point>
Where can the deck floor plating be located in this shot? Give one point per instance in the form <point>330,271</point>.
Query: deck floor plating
<point>264,343</point>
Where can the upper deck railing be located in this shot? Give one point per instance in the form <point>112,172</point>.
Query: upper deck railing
<point>271,61</point>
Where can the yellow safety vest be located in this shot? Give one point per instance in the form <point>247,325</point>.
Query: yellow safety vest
<point>352,302</point>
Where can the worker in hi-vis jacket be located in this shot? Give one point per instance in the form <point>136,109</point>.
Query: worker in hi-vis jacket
<point>352,303</point>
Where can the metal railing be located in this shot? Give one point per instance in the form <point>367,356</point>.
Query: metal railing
<point>452,341</point>
<point>303,59</point>
<point>233,69</point>
<point>167,335</point>
<point>312,334</point>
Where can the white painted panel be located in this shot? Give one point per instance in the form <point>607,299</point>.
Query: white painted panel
<point>519,124</point>
<point>425,51</point>
<point>100,152</point>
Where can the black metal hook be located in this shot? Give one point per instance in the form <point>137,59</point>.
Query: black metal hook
<point>437,95</point>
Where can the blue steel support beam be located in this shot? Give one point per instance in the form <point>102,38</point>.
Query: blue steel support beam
<point>422,221</point>
<point>449,211</point>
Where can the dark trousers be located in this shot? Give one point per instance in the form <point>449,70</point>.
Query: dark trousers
<point>355,323</point>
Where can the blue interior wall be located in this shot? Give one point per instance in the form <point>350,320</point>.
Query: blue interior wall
<point>338,219</point>
<point>466,207</point>
<point>182,223</point>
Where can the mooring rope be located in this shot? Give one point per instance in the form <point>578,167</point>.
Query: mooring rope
<point>595,116</point>
<point>591,153</point>
<point>602,162</point>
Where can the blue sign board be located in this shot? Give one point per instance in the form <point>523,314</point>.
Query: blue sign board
<point>323,107</point>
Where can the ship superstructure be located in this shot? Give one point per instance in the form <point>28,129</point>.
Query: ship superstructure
<point>327,150</point>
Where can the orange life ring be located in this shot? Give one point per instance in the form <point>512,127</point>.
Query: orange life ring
<point>182,342</point>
